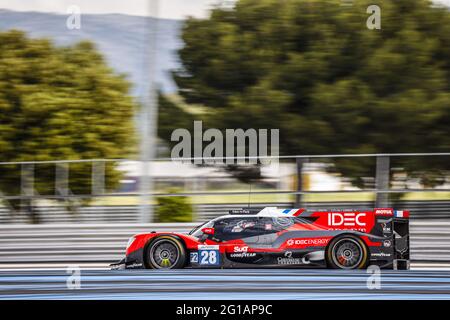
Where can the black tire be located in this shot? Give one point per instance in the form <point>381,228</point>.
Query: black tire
<point>347,252</point>
<point>165,252</point>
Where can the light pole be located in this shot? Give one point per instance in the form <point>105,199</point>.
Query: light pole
<point>149,114</point>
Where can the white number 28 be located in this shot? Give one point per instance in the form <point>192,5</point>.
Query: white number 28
<point>208,257</point>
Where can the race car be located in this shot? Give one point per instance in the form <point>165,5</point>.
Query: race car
<point>279,238</point>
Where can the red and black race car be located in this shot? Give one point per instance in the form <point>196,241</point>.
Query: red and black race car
<point>271,237</point>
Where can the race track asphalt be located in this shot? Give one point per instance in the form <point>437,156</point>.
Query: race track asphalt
<point>224,284</point>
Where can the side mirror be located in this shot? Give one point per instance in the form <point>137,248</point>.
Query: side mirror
<point>208,231</point>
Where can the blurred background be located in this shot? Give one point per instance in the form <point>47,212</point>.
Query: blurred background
<point>91,91</point>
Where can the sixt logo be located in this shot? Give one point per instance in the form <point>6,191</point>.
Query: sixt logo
<point>348,219</point>
<point>240,249</point>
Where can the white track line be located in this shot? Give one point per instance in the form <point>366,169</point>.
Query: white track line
<point>105,266</point>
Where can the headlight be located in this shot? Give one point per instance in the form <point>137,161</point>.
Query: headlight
<point>130,242</point>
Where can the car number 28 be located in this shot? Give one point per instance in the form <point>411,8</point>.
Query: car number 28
<point>209,256</point>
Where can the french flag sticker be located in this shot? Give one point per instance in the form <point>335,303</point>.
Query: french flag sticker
<point>293,212</point>
<point>402,214</point>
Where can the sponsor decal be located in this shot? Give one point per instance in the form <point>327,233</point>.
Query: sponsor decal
<point>134,265</point>
<point>387,243</point>
<point>287,259</point>
<point>386,228</point>
<point>208,255</point>
<point>384,212</point>
<point>244,211</point>
<point>208,231</point>
<point>347,219</point>
<point>194,257</point>
<point>242,252</point>
<point>381,254</point>
<point>243,255</point>
<point>240,249</point>
<point>308,242</point>
<point>207,247</point>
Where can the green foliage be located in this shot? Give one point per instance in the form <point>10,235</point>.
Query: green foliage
<point>60,103</point>
<point>314,70</point>
<point>170,117</point>
<point>174,209</point>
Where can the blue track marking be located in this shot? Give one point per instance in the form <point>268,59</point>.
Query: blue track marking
<point>225,284</point>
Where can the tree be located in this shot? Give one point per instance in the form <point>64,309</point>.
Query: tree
<point>60,103</point>
<point>174,209</point>
<point>314,70</point>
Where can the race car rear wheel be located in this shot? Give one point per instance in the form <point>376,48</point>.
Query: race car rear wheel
<point>347,252</point>
<point>166,253</point>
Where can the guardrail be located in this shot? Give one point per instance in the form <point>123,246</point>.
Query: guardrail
<point>72,243</point>
<point>130,214</point>
<point>105,243</point>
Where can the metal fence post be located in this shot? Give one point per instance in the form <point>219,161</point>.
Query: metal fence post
<point>98,178</point>
<point>145,186</point>
<point>27,190</point>
<point>62,179</point>
<point>62,186</point>
<point>98,183</point>
<point>299,187</point>
<point>382,181</point>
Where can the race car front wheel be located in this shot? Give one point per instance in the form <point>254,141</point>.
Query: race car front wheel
<point>166,253</point>
<point>347,252</point>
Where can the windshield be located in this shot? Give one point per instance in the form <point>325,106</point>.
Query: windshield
<point>197,231</point>
<point>279,223</point>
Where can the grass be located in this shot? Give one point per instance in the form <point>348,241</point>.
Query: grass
<point>280,198</point>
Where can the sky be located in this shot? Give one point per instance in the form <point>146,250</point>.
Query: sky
<point>169,9</point>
